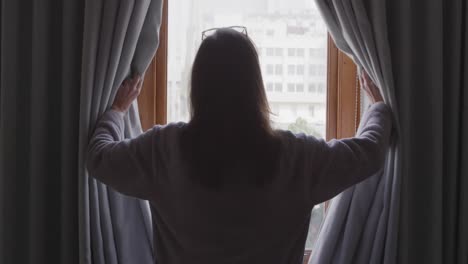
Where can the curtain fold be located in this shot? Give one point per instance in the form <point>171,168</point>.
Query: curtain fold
<point>40,62</point>
<point>429,42</point>
<point>361,225</point>
<point>120,39</point>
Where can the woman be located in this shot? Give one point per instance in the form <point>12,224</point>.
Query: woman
<point>226,187</point>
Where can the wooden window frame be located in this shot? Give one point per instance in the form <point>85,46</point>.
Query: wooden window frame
<point>152,102</point>
<point>343,94</point>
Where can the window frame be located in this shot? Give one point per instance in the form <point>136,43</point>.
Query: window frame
<point>343,91</point>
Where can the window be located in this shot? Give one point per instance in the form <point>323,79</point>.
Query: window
<point>300,53</point>
<point>279,69</point>
<point>326,110</point>
<point>270,69</point>
<point>312,70</point>
<point>300,88</point>
<point>269,87</point>
<point>291,69</point>
<point>279,52</point>
<point>278,87</point>
<point>312,88</point>
<point>300,69</point>
<point>321,88</point>
<point>313,52</point>
<point>270,52</point>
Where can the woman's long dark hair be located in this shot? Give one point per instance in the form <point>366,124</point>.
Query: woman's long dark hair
<point>229,138</point>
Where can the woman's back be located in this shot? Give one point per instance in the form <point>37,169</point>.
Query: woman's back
<point>239,222</point>
<point>242,222</point>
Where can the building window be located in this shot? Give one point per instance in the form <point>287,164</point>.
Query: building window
<point>312,88</point>
<point>291,87</point>
<point>279,69</point>
<point>270,52</point>
<point>300,88</point>
<point>278,87</point>
<point>300,53</point>
<point>321,70</point>
<point>300,69</point>
<point>291,69</point>
<point>312,70</point>
<point>279,52</point>
<point>313,52</point>
<point>291,52</point>
<point>321,88</point>
<point>269,69</point>
<point>270,87</point>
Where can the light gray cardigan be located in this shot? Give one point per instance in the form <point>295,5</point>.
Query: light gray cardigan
<point>268,225</point>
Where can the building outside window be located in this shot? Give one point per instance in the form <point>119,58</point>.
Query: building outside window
<point>312,88</point>
<point>300,88</point>
<point>300,69</point>
<point>279,52</point>
<point>279,69</point>
<point>291,69</point>
<point>269,87</point>
<point>270,52</point>
<point>270,70</point>
<point>279,88</point>
<point>300,52</point>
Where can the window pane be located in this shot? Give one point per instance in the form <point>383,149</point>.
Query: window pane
<point>300,69</point>
<point>279,69</point>
<point>270,52</point>
<point>291,40</point>
<point>279,52</point>
<point>300,88</point>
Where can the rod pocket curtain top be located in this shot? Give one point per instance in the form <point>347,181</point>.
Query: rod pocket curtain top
<point>120,39</point>
<point>362,222</point>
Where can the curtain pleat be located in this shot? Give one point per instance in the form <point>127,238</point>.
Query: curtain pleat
<point>120,39</point>
<point>361,223</point>
<point>426,220</point>
<point>430,42</point>
<point>40,62</point>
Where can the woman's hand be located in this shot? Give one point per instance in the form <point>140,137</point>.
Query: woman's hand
<point>370,88</point>
<point>127,93</point>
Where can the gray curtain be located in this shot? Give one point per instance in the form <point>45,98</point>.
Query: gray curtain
<point>120,39</point>
<point>40,64</point>
<point>427,42</point>
<point>361,225</point>
<point>429,46</point>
